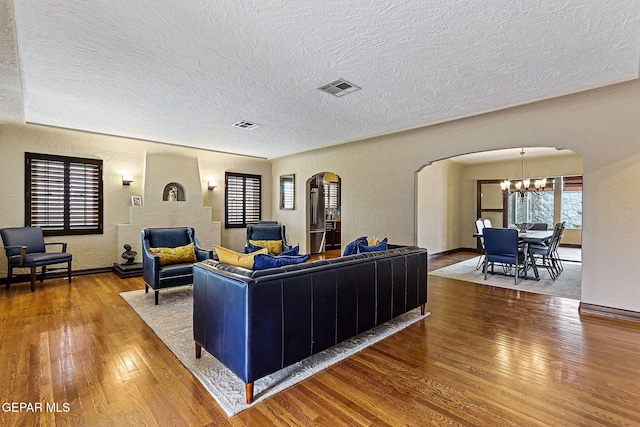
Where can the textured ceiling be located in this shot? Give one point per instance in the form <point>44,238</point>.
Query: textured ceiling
<point>182,72</point>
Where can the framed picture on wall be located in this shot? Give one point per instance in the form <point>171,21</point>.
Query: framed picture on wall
<point>136,200</point>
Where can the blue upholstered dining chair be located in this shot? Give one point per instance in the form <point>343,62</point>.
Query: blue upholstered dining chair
<point>25,248</point>
<point>501,246</point>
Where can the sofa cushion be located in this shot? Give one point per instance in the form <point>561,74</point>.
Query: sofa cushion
<point>230,257</point>
<point>352,247</point>
<point>262,262</point>
<point>273,246</point>
<point>382,246</point>
<point>177,255</point>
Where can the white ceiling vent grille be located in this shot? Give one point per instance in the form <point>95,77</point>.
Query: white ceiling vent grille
<point>243,124</point>
<point>339,87</point>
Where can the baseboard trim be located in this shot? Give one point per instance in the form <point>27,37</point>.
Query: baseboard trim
<point>452,251</point>
<point>22,278</point>
<point>608,312</point>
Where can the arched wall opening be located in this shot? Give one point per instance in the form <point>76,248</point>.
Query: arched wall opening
<point>324,213</point>
<point>446,192</point>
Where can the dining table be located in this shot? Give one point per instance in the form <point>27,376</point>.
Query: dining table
<point>539,237</point>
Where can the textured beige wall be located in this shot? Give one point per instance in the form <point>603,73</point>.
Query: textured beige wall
<point>439,206</point>
<point>121,156</point>
<point>602,125</point>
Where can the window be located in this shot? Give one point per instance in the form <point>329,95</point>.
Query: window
<point>572,202</point>
<point>545,208</point>
<point>533,208</point>
<point>287,192</point>
<point>63,195</point>
<point>331,200</point>
<point>242,199</point>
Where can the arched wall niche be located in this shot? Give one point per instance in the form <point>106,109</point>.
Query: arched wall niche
<point>174,192</point>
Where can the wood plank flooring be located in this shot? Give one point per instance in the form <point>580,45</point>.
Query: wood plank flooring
<point>486,356</point>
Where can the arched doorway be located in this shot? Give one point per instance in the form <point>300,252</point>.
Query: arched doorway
<point>324,217</point>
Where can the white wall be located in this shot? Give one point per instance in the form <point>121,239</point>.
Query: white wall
<point>120,156</point>
<point>439,206</point>
<point>602,125</point>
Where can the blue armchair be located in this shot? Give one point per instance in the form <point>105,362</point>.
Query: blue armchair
<point>159,276</point>
<point>25,248</point>
<point>266,231</point>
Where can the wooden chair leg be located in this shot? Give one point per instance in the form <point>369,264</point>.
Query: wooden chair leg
<point>249,391</point>
<point>422,309</point>
<point>69,270</point>
<point>156,296</point>
<point>44,269</point>
<point>9,274</point>
<point>33,279</point>
<point>198,351</point>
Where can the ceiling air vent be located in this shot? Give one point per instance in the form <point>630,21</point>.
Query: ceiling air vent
<point>339,87</point>
<point>243,124</point>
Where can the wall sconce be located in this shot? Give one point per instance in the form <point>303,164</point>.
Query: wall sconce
<point>212,185</point>
<point>127,179</point>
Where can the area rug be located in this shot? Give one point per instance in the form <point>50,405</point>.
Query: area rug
<point>172,322</point>
<point>566,285</point>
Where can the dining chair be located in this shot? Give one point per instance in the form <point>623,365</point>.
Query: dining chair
<point>545,252</point>
<point>25,248</point>
<point>502,246</point>
<point>479,228</point>
<point>539,226</point>
<point>556,255</point>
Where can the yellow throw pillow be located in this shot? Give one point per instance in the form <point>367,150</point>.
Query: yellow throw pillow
<point>230,257</point>
<point>175,255</point>
<point>274,246</point>
<point>373,241</point>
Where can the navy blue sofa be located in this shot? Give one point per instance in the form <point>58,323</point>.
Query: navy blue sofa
<point>159,276</point>
<point>258,322</point>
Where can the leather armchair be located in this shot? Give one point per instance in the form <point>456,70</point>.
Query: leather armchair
<point>159,276</point>
<point>25,248</point>
<point>266,231</point>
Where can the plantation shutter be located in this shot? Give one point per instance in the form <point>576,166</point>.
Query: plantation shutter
<point>243,195</point>
<point>84,196</point>
<point>63,194</point>
<point>331,195</point>
<point>47,194</point>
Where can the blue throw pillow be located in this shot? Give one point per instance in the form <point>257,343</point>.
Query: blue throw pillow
<point>291,252</point>
<point>382,246</point>
<point>352,248</point>
<point>262,262</point>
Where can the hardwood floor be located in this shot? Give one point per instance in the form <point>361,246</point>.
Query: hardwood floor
<point>486,356</point>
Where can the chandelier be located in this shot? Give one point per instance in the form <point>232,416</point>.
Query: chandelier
<point>523,185</point>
